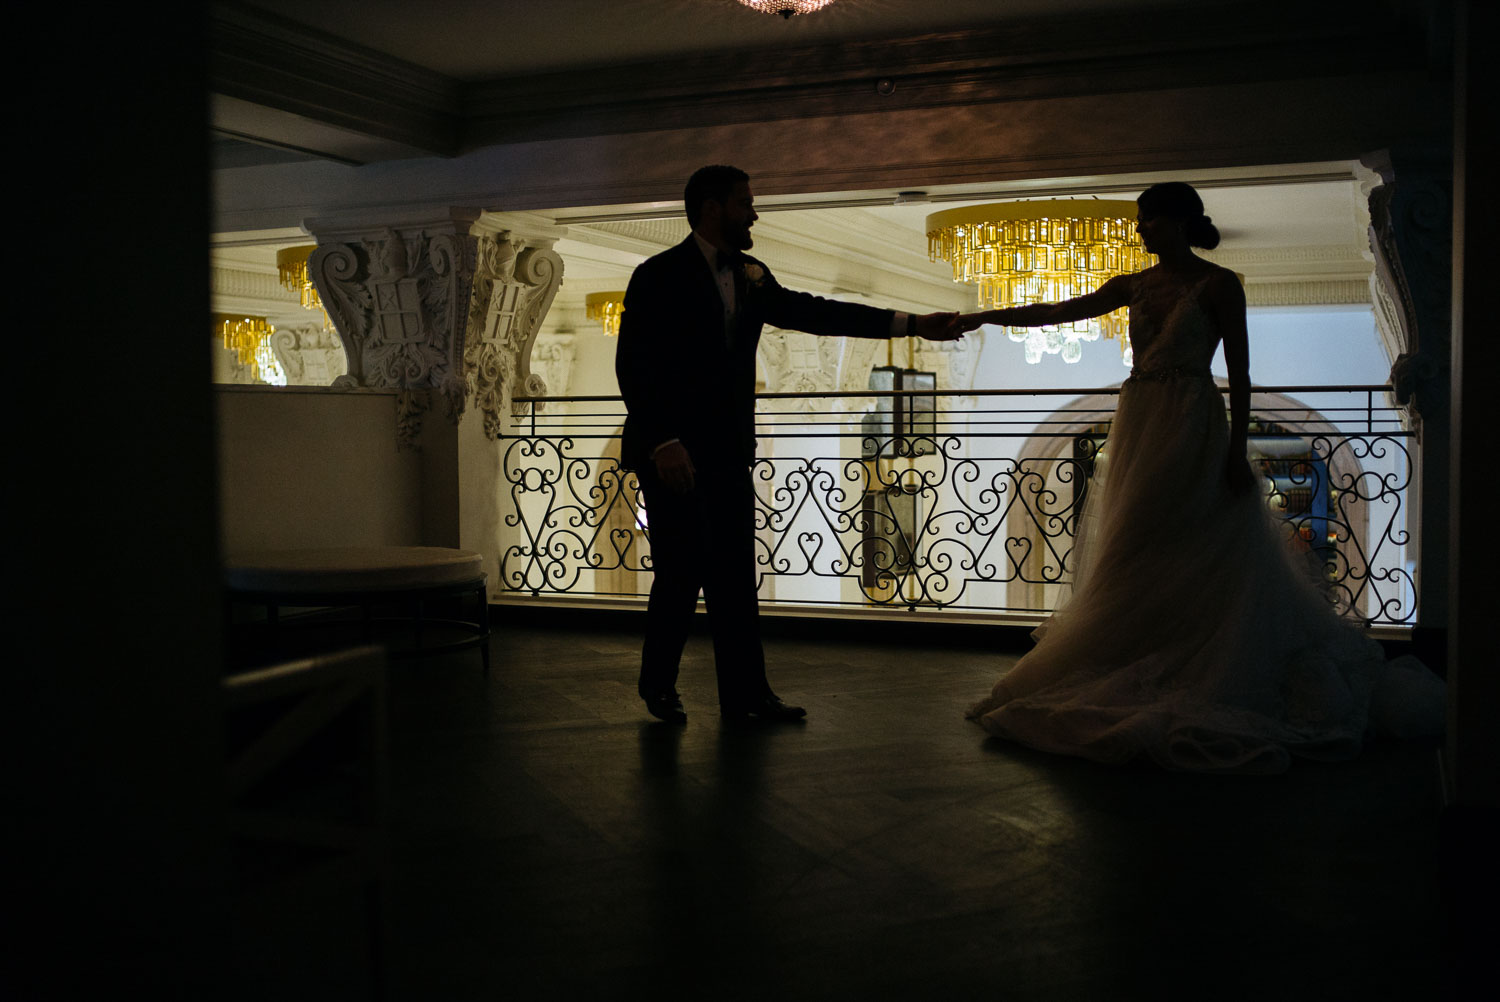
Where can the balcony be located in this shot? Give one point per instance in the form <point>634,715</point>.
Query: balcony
<point>950,506</point>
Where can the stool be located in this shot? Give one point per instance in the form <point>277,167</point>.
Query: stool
<point>362,576</point>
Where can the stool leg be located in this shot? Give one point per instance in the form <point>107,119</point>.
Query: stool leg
<point>419,628</point>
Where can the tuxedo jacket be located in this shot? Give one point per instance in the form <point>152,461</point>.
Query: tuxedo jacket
<point>683,376</point>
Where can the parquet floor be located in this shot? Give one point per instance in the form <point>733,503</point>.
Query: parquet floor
<point>551,841</point>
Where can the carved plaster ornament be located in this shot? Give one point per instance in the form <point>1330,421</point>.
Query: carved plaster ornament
<point>309,355</point>
<point>398,301</point>
<point>440,309</point>
<point>1411,245</point>
<point>805,363</point>
<point>552,359</point>
<point>954,362</point>
<point>514,286</point>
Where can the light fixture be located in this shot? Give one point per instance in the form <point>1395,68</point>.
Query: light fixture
<point>250,340</point>
<point>291,262</point>
<point>606,307</point>
<point>786,8</point>
<point>1044,251</point>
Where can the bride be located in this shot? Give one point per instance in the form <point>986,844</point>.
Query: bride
<point>1193,636</point>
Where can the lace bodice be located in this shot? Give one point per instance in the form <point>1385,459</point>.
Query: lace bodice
<point>1170,327</point>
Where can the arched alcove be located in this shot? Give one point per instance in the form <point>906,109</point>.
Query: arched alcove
<point>1356,471</point>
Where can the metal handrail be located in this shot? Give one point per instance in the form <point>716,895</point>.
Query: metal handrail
<point>1035,391</point>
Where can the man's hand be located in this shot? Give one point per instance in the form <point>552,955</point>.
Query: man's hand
<point>675,467</point>
<point>939,327</point>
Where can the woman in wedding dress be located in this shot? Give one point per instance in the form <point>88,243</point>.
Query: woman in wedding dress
<point>1194,635</point>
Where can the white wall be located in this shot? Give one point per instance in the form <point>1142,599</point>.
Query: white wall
<point>593,372</point>
<point>308,468</point>
<point>1305,345</point>
<point>1289,346</point>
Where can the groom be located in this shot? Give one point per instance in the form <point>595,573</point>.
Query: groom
<point>686,366</point>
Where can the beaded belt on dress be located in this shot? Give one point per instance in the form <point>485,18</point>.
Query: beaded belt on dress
<point>1170,372</point>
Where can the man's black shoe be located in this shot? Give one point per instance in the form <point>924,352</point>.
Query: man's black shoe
<point>665,706</point>
<point>766,708</point>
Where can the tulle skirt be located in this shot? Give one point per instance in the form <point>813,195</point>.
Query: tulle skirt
<point>1194,634</point>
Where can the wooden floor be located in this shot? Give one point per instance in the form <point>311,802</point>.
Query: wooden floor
<point>552,841</point>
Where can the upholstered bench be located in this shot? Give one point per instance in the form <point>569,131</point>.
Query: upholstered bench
<point>363,577</point>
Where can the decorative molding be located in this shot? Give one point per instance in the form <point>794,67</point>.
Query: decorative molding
<point>1347,292</point>
<point>794,362</point>
<point>309,355</point>
<point>1411,242</point>
<point>400,303</point>
<point>274,62</point>
<point>439,309</point>
<point>1330,255</point>
<point>1305,275</point>
<point>954,362</point>
<point>410,406</point>
<point>250,285</point>
<point>1046,57</point>
<point>644,236</point>
<point>515,281</point>
<point>552,358</point>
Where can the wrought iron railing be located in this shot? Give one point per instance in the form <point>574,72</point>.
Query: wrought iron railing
<point>923,500</point>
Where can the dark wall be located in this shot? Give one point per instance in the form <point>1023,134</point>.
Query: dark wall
<point>111,710</point>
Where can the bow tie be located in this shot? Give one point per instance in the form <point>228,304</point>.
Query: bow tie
<point>726,259</point>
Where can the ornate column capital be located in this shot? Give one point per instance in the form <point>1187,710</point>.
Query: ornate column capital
<point>516,277</point>
<point>440,302</point>
<point>1410,201</point>
<point>397,289</point>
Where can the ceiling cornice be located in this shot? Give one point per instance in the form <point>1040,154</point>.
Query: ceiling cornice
<point>277,63</point>
<point>270,61</point>
<point>1059,56</point>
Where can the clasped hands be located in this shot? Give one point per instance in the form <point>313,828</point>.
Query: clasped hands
<point>942,326</point>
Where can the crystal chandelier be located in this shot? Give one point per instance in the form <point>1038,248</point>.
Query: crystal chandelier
<point>291,262</point>
<point>786,8</point>
<point>606,307</point>
<point>1020,253</point>
<point>250,340</point>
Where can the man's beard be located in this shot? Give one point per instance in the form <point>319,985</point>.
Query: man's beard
<point>740,238</point>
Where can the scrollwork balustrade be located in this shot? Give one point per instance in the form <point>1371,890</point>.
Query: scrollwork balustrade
<point>975,513</point>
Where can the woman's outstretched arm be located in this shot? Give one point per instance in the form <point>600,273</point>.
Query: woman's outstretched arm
<point>1109,297</point>
<point>1228,300</point>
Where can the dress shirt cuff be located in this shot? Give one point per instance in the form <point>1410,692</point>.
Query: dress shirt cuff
<point>663,446</point>
<point>898,324</point>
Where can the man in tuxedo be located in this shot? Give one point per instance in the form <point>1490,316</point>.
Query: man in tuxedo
<point>686,366</point>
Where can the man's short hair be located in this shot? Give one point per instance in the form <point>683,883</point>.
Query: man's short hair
<point>715,181</point>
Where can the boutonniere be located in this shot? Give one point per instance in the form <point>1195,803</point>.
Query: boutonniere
<point>755,275</point>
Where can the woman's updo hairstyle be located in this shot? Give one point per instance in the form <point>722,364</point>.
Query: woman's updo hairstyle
<point>1177,200</point>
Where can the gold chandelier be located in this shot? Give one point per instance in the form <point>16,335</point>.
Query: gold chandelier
<point>249,338</point>
<point>291,262</point>
<point>606,307</point>
<point>1045,251</point>
<point>786,8</point>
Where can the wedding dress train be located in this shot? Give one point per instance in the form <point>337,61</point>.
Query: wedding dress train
<point>1194,635</point>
